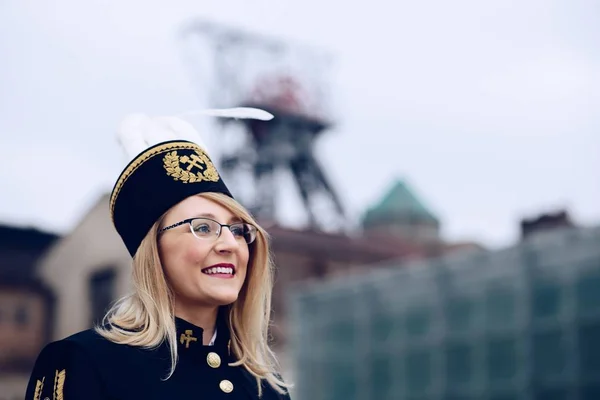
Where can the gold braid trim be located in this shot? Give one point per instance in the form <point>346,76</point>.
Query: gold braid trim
<point>39,385</point>
<point>139,161</point>
<point>55,382</point>
<point>59,384</point>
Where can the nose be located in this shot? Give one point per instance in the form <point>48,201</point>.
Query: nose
<point>226,242</point>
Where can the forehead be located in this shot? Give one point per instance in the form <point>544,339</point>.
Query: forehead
<point>196,206</point>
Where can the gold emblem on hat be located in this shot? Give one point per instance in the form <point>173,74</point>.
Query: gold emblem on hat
<point>192,168</point>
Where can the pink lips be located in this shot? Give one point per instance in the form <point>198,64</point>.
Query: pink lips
<point>222,270</point>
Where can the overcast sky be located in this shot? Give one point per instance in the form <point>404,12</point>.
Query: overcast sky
<point>489,108</point>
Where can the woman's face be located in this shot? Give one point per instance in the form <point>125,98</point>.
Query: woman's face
<point>189,262</point>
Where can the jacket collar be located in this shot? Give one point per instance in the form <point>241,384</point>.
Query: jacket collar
<point>189,336</point>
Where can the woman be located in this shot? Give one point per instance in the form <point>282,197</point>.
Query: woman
<point>196,323</point>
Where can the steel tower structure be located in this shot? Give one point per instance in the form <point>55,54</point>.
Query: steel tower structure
<point>287,80</point>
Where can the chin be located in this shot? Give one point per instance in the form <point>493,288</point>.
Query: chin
<point>226,302</point>
<point>225,299</point>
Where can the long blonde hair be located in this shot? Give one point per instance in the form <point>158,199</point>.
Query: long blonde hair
<point>145,318</point>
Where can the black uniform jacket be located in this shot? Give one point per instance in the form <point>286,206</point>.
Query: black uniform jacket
<point>87,366</point>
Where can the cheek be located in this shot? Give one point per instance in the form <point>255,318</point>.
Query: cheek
<point>244,258</point>
<point>244,252</point>
<point>193,254</point>
<point>180,256</point>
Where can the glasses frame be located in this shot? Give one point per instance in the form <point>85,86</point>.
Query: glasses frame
<point>218,235</point>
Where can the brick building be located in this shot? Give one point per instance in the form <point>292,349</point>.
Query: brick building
<point>26,306</point>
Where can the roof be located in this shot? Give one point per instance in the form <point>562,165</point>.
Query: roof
<point>20,249</point>
<point>339,247</point>
<point>400,202</point>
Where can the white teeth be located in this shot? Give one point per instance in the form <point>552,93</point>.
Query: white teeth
<point>219,270</point>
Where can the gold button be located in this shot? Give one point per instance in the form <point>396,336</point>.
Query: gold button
<point>213,360</point>
<point>226,386</point>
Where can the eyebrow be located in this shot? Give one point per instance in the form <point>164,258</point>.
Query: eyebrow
<point>233,219</point>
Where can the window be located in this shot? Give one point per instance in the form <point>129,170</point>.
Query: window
<point>547,298</point>
<point>502,363</point>
<point>459,365</point>
<point>102,293</point>
<point>419,372</point>
<point>460,314</point>
<point>501,307</point>
<point>550,355</point>
<point>419,321</point>
<point>319,267</point>
<point>21,315</point>
<point>588,295</point>
<point>382,375</point>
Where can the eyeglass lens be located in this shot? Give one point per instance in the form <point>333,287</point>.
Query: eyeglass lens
<point>207,228</point>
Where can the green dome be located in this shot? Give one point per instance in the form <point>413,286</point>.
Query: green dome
<point>400,204</point>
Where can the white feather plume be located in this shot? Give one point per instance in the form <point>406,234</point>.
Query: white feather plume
<point>182,129</point>
<point>130,134</point>
<point>138,131</point>
<point>234,113</point>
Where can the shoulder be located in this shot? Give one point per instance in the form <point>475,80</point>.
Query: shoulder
<point>72,352</point>
<point>64,365</point>
<point>88,339</point>
<point>103,351</point>
<point>86,348</point>
<point>86,364</point>
<point>64,348</point>
<point>82,343</point>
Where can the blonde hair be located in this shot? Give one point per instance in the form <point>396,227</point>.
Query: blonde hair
<point>145,318</point>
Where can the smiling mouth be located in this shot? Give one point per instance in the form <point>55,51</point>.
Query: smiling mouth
<point>220,270</point>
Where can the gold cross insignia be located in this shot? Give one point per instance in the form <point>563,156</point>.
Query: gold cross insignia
<point>197,167</point>
<point>187,338</point>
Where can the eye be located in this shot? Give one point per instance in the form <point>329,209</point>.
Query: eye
<point>203,228</point>
<point>238,230</point>
<point>243,231</point>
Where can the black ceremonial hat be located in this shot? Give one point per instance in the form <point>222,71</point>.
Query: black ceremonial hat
<point>156,180</point>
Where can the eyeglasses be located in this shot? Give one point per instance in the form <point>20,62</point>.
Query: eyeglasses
<point>206,228</point>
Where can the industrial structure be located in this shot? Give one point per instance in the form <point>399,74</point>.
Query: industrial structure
<point>291,82</point>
